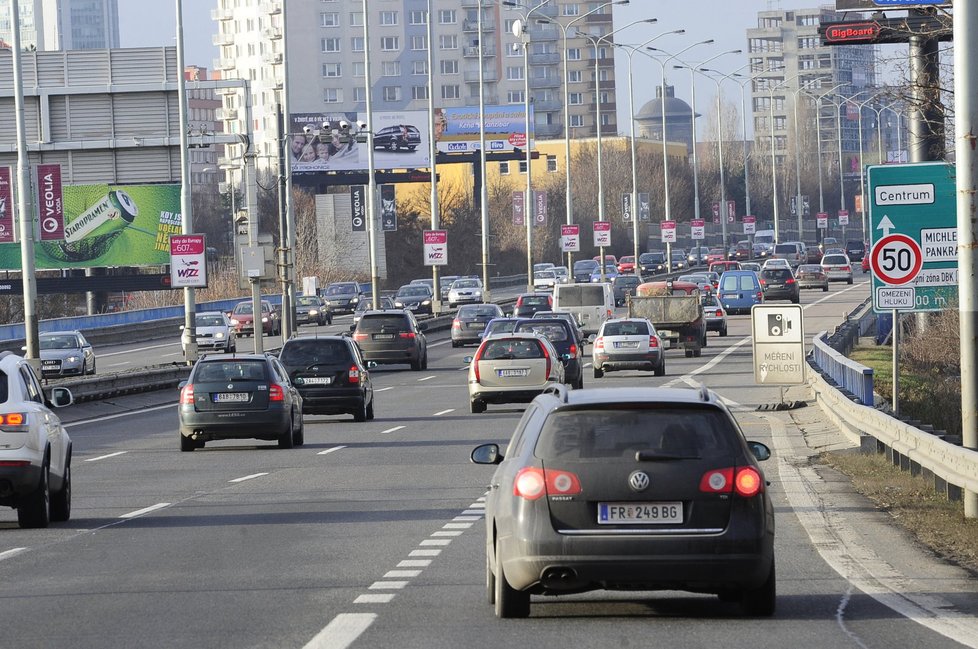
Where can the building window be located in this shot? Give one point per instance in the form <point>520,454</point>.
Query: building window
<point>552,164</point>
<point>390,43</point>
<point>574,76</point>
<point>571,9</point>
<point>356,44</point>
<point>574,54</point>
<point>356,19</point>
<point>448,42</point>
<point>808,43</point>
<point>451,92</point>
<point>419,43</point>
<point>447,17</point>
<point>419,67</point>
<point>503,168</point>
<point>449,66</point>
<point>333,95</point>
<point>514,73</point>
<point>359,94</point>
<point>419,92</point>
<point>576,121</point>
<point>358,69</point>
<point>522,166</point>
<point>329,19</point>
<point>575,98</point>
<point>514,97</point>
<point>419,17</point>
<point>392,93</point>
<point>388,18</point>
<point>332,70</point>
<point>330,45</point>
<point>391,68</point>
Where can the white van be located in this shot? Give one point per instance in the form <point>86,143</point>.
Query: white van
<point>591,304</point>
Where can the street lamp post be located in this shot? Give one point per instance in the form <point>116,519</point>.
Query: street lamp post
<point>433,147</point>
<point>665,157</point>
<point>696,177</point>
<point>774,165</point>
<point>862,171</point>
<point>630,50</point>
<point>567,150</point>
<point>818,137</point>
<point>371,179</point>
<point>189,337</point>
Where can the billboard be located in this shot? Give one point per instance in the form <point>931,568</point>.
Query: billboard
<point>401,141</point>
<point>108,225</point>
<point>457,129</point>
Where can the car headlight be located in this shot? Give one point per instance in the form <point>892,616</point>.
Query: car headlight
<point>399,304</point>
<point>72,359</point>
<point>327,302</point>
<point>264,319</point>
<point>313,312</point>
<point>426,303</point>
<point>234,321</point>
<point>480,292</point>
<point>354,300</point>
<point>219,334</point>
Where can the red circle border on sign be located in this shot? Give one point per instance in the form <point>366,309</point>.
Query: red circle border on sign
<point>881,244</point>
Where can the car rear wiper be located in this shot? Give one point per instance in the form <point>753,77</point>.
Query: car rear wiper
<point>654,455</point>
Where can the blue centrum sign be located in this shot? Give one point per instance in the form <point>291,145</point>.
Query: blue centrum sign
<point>914,253</point>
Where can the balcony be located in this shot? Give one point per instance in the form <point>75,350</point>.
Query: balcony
<point>472,51</point>
<point>226,114</point>
<point>473,26</point>
<point>270,8</point>
<point>598,19</point>
<point>271,33</point>
<point>218,15</point>
<point>547,58</point>
<point>545,82</point>
<point>549,105</point>
<point>225,64</point>
<point>223,39</point>
<point>273,58</point>
<point>550,11</point>
<point>472,76</point>
<point>547,130</point>
<point>544,34</point>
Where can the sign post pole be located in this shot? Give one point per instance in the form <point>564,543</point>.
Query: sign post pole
<point>896,363</point>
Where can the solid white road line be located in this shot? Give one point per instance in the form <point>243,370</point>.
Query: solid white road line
<point>440,342</point>
<point>248,477</point>
<point>391,430</point>
<point>105,457</point>
<point>342,631</point>
<point>331,450</point>
<point>137,349</point>
<point>443,412</point>
<point>6,554</point>
<point>145,510</point>
<point>121,414</point>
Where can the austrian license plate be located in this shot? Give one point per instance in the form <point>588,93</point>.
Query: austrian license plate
<point>640,513</point>
<point>231,397</point>
<point>383,336</point>
<point>626,344</point>
<point>317,380</point>
<point>511,373</point>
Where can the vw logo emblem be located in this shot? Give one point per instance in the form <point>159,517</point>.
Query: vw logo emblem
<point>639,481</point>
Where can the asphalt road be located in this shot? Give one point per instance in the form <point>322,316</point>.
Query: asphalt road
<point>371,535</point>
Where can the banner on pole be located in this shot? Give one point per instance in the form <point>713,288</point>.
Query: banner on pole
<point>388,209</point>
<point>50,202</point>
<point>519,212</point>
<point>358,203</point>
<point>570,238</point>
<point>697,229</point>
<point>6,208</point>
<point>540,209</point>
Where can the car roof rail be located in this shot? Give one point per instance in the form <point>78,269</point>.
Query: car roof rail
<point>559,390</point>
<point>705,393</point>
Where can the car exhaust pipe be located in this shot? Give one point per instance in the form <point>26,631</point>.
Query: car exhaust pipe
<point>559,577</point>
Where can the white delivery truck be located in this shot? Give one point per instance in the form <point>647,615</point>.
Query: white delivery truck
<point>591,304</point>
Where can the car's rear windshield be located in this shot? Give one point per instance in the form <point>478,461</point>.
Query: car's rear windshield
<point>835,260</point>
<point>809,268</point>
<point>313,351</point>
<point>209,321</point>
<point>237,370</point>
<point>393,323</point>
<point>779,274</point>
<point>631,328</point>
<point>737,282</point>
<point>472,311</point>
<point>511,349</point>
<point>3,388</point>
<point>785,249</point>
<point>571,296</point>
<point>341,289</point>
<point>502,326</point>
<point>616,432</point>
<point>552,331</point>
<point>535,300</point>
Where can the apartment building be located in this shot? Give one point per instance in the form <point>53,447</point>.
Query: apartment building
<point>63,24</point>
<point>326,66</point>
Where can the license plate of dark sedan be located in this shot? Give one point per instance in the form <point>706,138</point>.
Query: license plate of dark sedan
<point>508,373</point>
<point>231,397</point>
<point>639,513</point>
<point>477,325</point>
<point>317,380</point>
<point>383,336</point>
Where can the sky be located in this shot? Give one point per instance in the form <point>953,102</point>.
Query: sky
<point>153,24</point>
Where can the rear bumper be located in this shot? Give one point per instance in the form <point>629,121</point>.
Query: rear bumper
<point>251,424</point>
<point>18,481</point>
<point>467,335</point>
<point>608,362</point>
<point>334,401</point>
<point>390,356</point>
<point>521,395</point>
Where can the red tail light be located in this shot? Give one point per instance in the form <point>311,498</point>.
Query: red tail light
<point>719,313</point>
<point>475,361</point>
<point>573,350</point>
<point>653,342</point>
<point>760,296</point>
<point>550,300</point>
<point>12,419</point>
<point>14,463</point>
<point>546,355</point>
<point>187,395</point>
<point>360,336</point>
<point>599,343</point>
<point>456,324</point>
<point>276,393</point>
<point>407,334</point>
<point>532,483</point>
<point>790,280</point>
<point>744,481</point>
<point>763,282</point>
<point>519,301</point>
<point>353,376</point>
<point>848,269</point>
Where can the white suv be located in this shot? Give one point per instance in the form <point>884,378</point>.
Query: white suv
<point>35,450</point>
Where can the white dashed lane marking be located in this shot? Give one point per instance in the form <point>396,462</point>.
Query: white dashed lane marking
<point>248,477</point>
<point>105,457</point>
<point>145,510</point>
<point>331,450</point>
<point>391,430</point>
<point>443,412</point>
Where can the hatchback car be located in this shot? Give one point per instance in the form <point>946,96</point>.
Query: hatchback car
<point>415,298</point>
<point>837,268</point>
<point>651,263</point>
<point>465,291</point>
<point>367,305</point>
<point>623,286</point>
<point>627,344</point>
<point>739,291</point>
<point>564,338</point>
<point>529,303</point>
<point>214,332</point>
<point>567,317</point>
<point>856,249</point>
<point>583,269</point>
<point>397,138</point>
<point>391,337</point>
<point>241,396</point>
<point>512,368</point>
<point>331,376</point>
<point>779,284</point>
<point>626,264</point>
<point>470,322</point>
<point>243,319</point>
<point>716,254</point>
<point>544,280</point>
<point>35,450</point>
<point>312,309</point>
<point>610,273</point>
<point>498,326</point>
<point>65,353</point>
<point>628,489</point>
<point>715,315</point>
<point>343,297</point>
<point>812,276</point>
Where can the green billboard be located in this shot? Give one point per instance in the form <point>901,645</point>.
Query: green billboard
<point>108,225</point>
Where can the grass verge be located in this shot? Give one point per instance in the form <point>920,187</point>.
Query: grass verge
<point>932,519</point>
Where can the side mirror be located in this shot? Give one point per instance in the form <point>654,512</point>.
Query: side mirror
<point>61,397</point>
<point>760,451</point>
<point>181,385</point>
<point>591,338</point>
<point>486,454</point>
<point>371,364</point>
<point>422,326</point>
<point>353,327</point>
<point>467,359</point>
<point>24,348</point>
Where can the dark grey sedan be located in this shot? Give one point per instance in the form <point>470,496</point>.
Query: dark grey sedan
<point>628,489</point>
<point>470,322</point>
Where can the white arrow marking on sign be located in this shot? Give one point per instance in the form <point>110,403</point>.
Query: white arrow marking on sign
<point>886,225</point>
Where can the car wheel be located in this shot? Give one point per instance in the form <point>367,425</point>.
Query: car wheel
<point>509,601</point>
<point>187,444</point>
<point>660,369</point>
<point>689,353</point>
<point>34,511</point>
<point>849,281</point>
<point>416,365</point>
<point>424,360</point>
<point>299,436</point>
<point>93,367</point>
<point>490,583</point>
<point>61,501</point>
<point>370,411</point>
<point>598,372</point>
<point>723,332</point>
<point>825,289</point>
<point>392,146</point>
<point>285,437</point>
<point>697,353</point>
<point>456,344</point>
<point>703,342</point>
<point>795,300</point>
<point>360,414</point>
<point>580,382</point>
<point>761,601</point>
<point>476,406</point>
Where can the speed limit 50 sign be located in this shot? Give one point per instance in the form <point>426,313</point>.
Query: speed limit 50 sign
<point>913,222</point>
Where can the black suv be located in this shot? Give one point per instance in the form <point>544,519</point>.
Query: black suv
<point>529,303</point>
<point>395,138</point>
<point>855,250</point>
<point>562,336</point>
<point>623,286</point>
<point>779,284</point>
<point>651,263</point>
<point>331,375</point>
<point>391,337</point>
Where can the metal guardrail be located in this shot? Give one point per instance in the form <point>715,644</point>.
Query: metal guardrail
<point>853,377</point>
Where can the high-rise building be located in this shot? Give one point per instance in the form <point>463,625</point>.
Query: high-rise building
<point>63,24</point>
<point>326,60</point>
<point>788,60</point>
